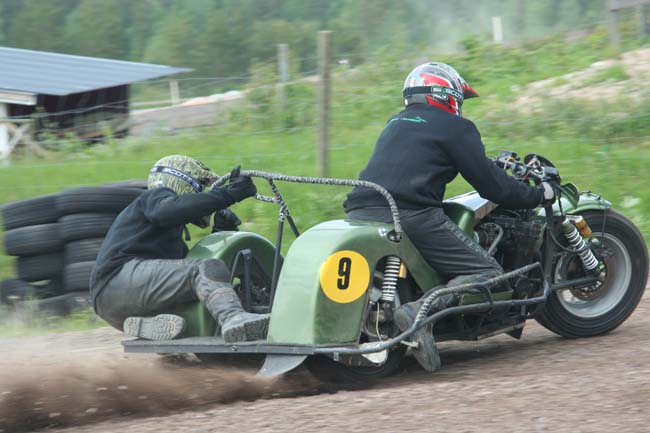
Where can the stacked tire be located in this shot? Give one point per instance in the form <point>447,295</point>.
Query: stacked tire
<point>56,239</point>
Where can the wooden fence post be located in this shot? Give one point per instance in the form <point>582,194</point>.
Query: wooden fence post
<point>174,92</point>
<point>283,77</point>
<point>613,8</point>
<point>4,132</point>
<point>614,33</point>
<point>643,20</point>
<point>324,60</point>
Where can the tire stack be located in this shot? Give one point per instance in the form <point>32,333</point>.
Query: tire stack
<point>55,239</point>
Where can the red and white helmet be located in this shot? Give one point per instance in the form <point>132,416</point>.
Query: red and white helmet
<point>437,84</point>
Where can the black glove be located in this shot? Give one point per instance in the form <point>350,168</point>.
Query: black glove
<point>548,193</point>
<point>240,187</point>
<point>225,220</point>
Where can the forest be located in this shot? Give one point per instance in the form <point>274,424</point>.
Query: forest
<point>226,38</point>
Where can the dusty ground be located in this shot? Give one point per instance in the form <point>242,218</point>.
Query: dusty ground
<point>542,383</point>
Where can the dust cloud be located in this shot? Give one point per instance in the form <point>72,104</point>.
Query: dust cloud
<point>94,390</point>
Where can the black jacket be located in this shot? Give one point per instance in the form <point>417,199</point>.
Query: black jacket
<point>421,150</point>
<point>151,227</point>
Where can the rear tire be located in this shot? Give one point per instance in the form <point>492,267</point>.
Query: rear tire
<point>599,310</point>
<point>328,370</point>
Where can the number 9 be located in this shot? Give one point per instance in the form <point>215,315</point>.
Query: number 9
<point>345,267</point>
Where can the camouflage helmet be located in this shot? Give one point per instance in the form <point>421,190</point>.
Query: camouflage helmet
<point>181,174</point>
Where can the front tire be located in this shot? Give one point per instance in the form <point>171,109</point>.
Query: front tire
<point>601,308</point>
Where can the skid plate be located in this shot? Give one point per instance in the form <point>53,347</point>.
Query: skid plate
<point>275,365</point>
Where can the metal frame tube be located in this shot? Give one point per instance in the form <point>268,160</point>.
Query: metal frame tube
<point>474,308</point>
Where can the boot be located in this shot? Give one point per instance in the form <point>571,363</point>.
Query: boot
<point>160,327</point>
<point>405,315</point>
<point>236,324</point>
<point>426,353</point>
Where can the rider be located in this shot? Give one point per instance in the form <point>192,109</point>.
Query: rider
<point>418,153</point>
<point>141,270</point>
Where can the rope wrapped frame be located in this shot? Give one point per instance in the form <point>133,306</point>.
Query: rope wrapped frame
<point>284,211</point>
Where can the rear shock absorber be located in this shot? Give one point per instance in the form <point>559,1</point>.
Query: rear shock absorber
<point>391,273</point>
<point>578,243</point>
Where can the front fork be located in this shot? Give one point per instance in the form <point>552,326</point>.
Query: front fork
<point>575,229</point>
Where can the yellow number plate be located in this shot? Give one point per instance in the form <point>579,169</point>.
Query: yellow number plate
<point>345,276</point>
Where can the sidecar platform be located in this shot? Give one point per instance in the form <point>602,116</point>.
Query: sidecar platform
<point>213,345</point>
<point>280,358</point>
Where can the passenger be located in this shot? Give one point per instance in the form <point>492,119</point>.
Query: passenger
<point>141,270</point>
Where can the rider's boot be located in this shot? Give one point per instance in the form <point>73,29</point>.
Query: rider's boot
<point>160,327</point>
<point>426,353</point>
<point>236,324</point>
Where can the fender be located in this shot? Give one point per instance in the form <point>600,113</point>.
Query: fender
<point>223,246</point>
<point>303,313</point>
<point>574,202</point>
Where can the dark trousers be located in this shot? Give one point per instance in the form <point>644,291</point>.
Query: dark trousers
<point>440,241</point>
<point>146,287</point>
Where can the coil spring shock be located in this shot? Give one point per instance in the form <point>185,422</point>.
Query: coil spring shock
<point>578,243</point>
<point>391,273</point>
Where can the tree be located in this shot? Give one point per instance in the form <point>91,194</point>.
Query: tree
<point>174,42</point>
<point>96,28</point>
<point>35,19</point>
<point>141,19</point>
<point>301,37</point>
<point>225,43</point>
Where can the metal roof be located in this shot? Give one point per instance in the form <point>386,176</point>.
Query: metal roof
<point>46,73</point>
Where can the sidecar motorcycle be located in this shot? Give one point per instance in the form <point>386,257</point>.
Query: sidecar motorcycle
<point>579,268</point>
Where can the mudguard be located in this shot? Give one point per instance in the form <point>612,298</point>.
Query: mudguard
<point>323,289</point>
<point>573,201</point>
<point>223,246</point>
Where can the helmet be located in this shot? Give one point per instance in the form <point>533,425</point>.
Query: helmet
<point>437,84</point>
<point>183,175</point>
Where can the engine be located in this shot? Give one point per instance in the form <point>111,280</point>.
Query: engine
<point>512,240</point>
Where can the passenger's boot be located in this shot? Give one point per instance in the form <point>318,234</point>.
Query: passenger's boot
<point>160,327</point>
<point>426,352</point>
<point>236,324</point>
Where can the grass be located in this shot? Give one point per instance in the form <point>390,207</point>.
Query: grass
<point>612,73</point>
<point>29,324</point>
<point>602,147</point>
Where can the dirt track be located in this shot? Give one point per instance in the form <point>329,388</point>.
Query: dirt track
<point>540,383</point>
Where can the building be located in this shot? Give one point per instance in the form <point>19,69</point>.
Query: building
<point>61,93</point>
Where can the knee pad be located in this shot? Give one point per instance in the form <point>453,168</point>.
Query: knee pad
<point>215,270</point>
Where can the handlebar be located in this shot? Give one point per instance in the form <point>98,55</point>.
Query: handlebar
<point>535,167</point>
